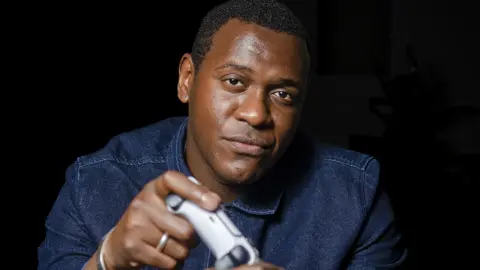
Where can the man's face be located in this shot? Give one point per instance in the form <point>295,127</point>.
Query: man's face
<point>245,100</point>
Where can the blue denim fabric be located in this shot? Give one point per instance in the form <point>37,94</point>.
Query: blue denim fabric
<point>320,208</point>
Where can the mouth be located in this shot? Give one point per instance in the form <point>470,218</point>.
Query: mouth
<point>248,146</point>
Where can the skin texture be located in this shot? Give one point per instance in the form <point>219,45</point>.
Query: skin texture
<point>251,85</point>
<point>132,243</point>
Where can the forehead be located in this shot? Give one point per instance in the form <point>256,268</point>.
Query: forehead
<point>258,48</point>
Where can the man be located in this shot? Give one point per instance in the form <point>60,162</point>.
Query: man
<point>304,204</point>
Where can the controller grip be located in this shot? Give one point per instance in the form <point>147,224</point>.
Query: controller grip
<point>217,231</point>
<point>214,228</point>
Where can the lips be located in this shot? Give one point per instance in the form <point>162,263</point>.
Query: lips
<point>248,146</point>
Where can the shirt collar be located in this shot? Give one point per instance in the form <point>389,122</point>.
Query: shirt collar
<point>265,199</point>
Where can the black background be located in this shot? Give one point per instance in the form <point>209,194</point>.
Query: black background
<point>88,71</point>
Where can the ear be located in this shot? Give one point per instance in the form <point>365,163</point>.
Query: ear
<point>186,72</point>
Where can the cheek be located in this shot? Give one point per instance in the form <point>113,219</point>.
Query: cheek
<point>212,107</point>
<point>223,104</point>
<point>285,123</point>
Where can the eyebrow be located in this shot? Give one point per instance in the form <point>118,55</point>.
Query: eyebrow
<point>280,82</point>
<point>235,66</point>
<point>287,83</point>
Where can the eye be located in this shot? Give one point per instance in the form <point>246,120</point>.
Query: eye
<point>283,95</point>
<point>234,81</point>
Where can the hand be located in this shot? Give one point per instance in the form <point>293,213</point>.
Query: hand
<point>258,266</point>
<point>133,242</point>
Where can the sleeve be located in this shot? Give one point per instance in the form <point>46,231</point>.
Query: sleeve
<point>380,244</point>
<point>67,244</point>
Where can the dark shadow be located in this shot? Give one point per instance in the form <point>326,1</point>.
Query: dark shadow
<point>427,154</point>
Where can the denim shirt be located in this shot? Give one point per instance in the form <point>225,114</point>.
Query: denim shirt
<point>320,207</point>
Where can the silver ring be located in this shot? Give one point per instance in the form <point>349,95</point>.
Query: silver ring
<point>163,242</point>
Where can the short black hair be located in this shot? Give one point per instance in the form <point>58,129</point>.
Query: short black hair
<point>266,13</point>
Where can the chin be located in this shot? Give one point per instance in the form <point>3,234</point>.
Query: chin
<point>241,172</point>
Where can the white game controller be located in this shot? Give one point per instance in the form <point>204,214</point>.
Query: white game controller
<point>222,237</point>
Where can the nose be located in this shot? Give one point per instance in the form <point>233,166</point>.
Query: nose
<point>254,110</point>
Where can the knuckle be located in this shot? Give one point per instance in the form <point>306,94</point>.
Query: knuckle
<point>188,232</point>
<point>150,186</point>
<point>183,253</point>
<point>136,204</point>
<point>184,230</point>
<point>171,178</point>
<point>168,176</point>
<point>133,224</point>
<point>130,245</point>
<point>170,264</point>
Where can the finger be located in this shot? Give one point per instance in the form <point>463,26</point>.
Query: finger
<point>258,266</point>
<point>158,217</point>
<point>262,265</point>
<point>192,242</point>
<point>164,221</point>
<point>149,224</point>
<point>152,197</point>
<point>179,184</point>
<point>175,249</point>
<point>150,256</point>
<point>136,251</point>
<point>155,223</point>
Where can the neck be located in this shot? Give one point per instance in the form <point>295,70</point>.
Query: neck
<point>204,173</point>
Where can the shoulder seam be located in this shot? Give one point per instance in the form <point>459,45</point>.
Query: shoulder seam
<point>361,168</point>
